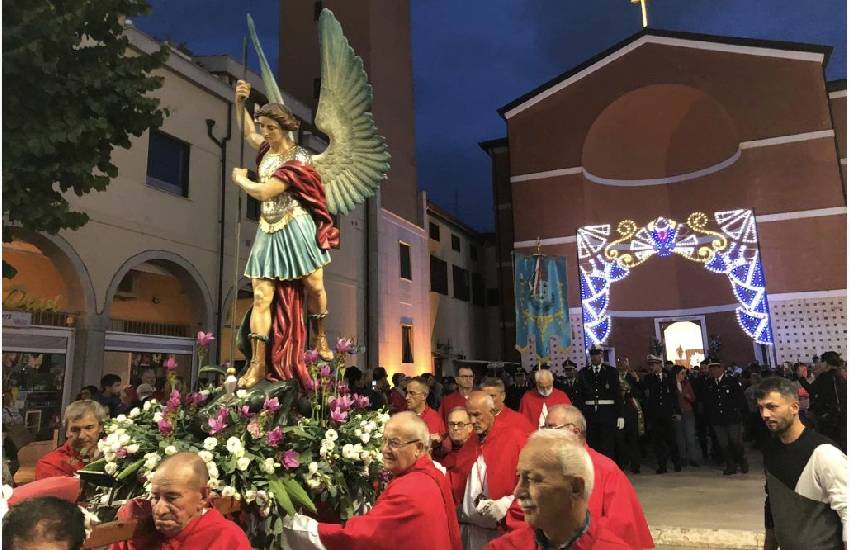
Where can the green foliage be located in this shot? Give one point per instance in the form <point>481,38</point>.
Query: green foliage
<point>71,94</point>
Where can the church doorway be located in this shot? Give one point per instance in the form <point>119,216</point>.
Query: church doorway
<point>685,340</point>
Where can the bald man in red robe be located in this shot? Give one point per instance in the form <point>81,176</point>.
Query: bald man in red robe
<point>490,482</point>
<point>416,511</point>
<point>613,501</point>
<point>536,402</point>
<point>556,479</point>
<point>458,451</point>
<point>495,388</point>
<point>180,511</point>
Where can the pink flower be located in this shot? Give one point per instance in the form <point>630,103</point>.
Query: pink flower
<point>271,405</point>
<point>325,371</point>
<point>204,338</point>
<point>290,459</point>
<point>342,387</point>
<point>310,385</point>
<point>254,429</point>
<point>338,415</point>
<point>275,436</point>
<point>343,402</point>
<point>344,345</point>
<point>195,398</point>
<point>170,363</point>
<point>361,401</point>
<point>216,425</point>
<point>311,356</point>
<point>173,401</point>
<point>245,412</point>
<point>121,453</point>
<point>165,426</point>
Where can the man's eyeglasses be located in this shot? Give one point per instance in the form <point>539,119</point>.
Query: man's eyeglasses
<point>456,425</point>
<point>466,376</point>
<point>560,427</point>
<point>396,444</point>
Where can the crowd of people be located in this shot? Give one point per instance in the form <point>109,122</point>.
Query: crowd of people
<point>511,461</point>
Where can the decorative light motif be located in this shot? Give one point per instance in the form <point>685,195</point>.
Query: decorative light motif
<point>732,251</point>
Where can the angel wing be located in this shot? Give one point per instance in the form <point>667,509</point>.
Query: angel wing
<point>356,160</point>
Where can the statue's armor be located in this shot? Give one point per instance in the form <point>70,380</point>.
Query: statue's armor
<point>277,212</point>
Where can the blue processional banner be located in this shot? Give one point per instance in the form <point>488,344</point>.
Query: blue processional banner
<point>540,291</point>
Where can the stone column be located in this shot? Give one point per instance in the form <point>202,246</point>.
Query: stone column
<point>89,341</point>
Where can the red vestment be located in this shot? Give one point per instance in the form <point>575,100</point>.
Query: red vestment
<point>513,419</point>
<point>532,403</point>
<point>458,463</point>
<point>396,401</point>
<point>501,450</point>
<point>434,421</point>
<point>597,537</point>
<point>210,531</point>
<point>613,504</point>
<point>449,402</point>
<point>63,461</point>
<point>415,511</point>
<point>290,335</point>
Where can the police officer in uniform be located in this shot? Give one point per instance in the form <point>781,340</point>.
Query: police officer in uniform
<point>726,408</point>
<point>597,394</point>
<point>662,404</point>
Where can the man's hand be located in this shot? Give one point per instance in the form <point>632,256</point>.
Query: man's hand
<point>621,423</point>
<point>493,509</point>
<point>243,90</point>
<point>239,175</point>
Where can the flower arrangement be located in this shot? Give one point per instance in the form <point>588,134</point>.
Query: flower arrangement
<point>257,446</point>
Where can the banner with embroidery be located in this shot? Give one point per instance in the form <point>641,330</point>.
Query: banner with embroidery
<point>540,291</point>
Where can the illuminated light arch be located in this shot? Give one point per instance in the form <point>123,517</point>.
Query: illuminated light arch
<point>731,249</point>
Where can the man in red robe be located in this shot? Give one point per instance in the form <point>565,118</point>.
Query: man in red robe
<point>417,394</point>
<point>613,502</point>
<point>536,402</point>
<point>458,451</point>
<point>555,482</point>
<point>495,388</point>
<point>465,381</point>
<point>489,486</point>
<point>83,423</point>
<point>182,518</point>
<point>415,511</point>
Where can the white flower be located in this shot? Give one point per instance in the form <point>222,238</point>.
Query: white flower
<point>210,443</point>
<point>121,418</point>
<point>313,483</point>
<point>250,495</point>
<point>331,435</point>
<point>268,465</point>
<point>212,470</point>
<point>133,449</point>
<point>347,450</point>
<point>109,455</point>
<point>358,432</point>
<point>123,439</point>
<point>152,402</point>
<point>243,463</point>
<point>370,426</point>
<point>109,428</point>
<point>147,406</point>
<point>313,468</point>
<point>206,456</point>
<point>170,450</point>
<point>157,416</point>
<point>241,394</point>
<point>234,445</point>
<point>135,412</point>
<point>110,468</point>
<point>365,438</point>
<point>366,456</point>
<point>214,483</point>
<point>228,491</point>
<point>205,393</point>
<point>151,460</point>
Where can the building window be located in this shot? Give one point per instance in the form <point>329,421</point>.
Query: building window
<point>406,344</point>
<point>473,252</point>
<point>434,231</point>
<point>493,297</point>
<point>439,276</point>
<point>478,290</point>
<point>168,164</point>
<point>404,261</point>
<point>455,243</point>
<point>460,279</point>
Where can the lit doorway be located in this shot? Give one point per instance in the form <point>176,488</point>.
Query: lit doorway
<point>685,339</point>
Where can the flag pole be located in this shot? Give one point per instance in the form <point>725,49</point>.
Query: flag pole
<point>235,327</point>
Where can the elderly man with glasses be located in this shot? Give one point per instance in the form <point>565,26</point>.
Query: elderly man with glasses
<point>613,502</point>
<point>458,451</point>
<point>417,395</point>
<point>465,382</point>
<point>556,480</point>
<point>415,511</point>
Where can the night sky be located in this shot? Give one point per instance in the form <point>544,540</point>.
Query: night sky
<point>471,57</point>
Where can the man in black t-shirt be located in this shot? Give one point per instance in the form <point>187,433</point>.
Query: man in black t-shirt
<point>806,476</point>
